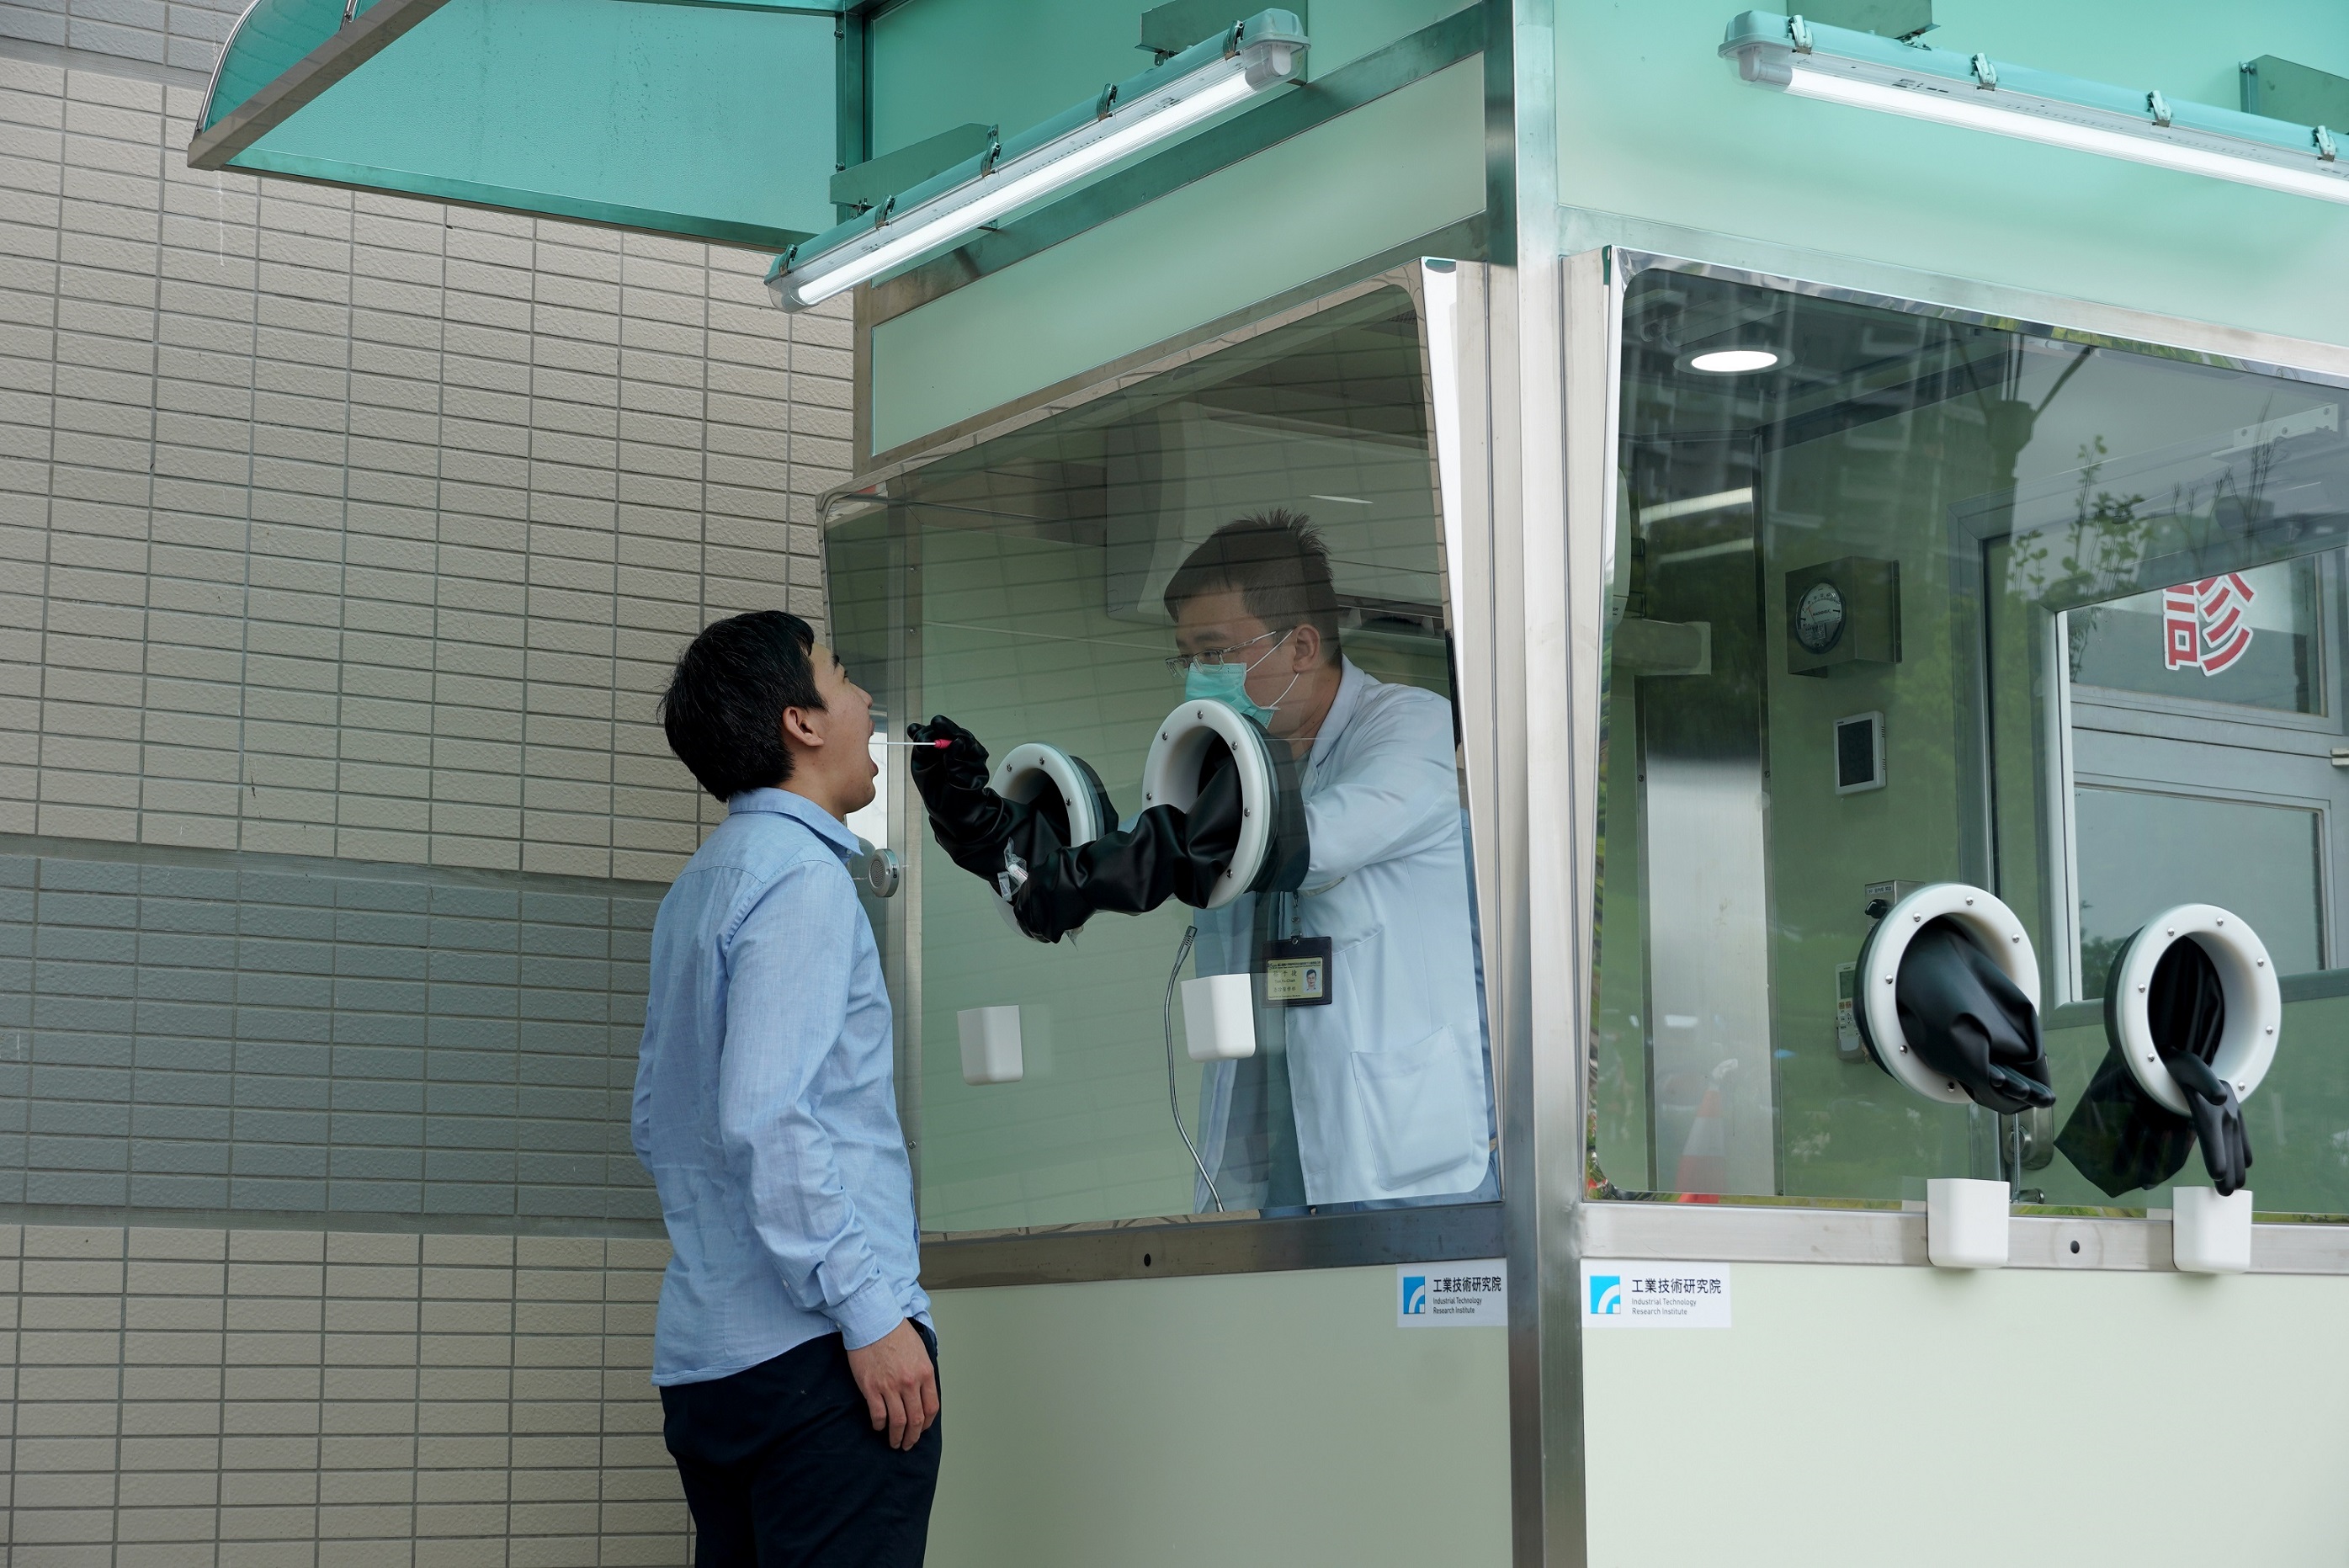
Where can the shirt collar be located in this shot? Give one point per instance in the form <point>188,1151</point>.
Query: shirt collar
<point>1352,684</point>
<point>783,803</point>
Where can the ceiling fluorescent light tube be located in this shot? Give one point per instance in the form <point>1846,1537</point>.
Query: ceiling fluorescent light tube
<point>2140,126</point>
<point>1194,85</point>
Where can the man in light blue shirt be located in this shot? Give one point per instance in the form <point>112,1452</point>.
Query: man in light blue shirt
<point>792,1348</point>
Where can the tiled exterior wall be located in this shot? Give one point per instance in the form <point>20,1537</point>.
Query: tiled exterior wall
<point>344,542</point>
<point>259,1034</point>
<point>312,1400</point>
<point>184,35</point>
<point>358,527</point>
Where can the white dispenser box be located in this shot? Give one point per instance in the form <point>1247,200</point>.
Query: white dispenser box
<point>2210,1234</point>
<point>1219,1017</point>
<point>990,1044</point>
<point>1965,1223</point>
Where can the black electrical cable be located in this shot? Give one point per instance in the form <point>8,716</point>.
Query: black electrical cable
<point>1174,1094</point>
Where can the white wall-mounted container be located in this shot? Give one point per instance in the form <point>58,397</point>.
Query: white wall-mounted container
<point>990,1044</point>
<point>1965,1223</point>
<point>1219,1017</point>
<point>2210,1234</point>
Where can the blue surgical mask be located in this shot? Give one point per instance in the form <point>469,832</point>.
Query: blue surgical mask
<point>1227,683</point>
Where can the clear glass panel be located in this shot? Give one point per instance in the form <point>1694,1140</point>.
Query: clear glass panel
<point>2082,600</point>
<point>1018,588</point>
<point>2144,851</point>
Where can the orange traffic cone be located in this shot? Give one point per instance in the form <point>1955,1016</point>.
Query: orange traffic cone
<point>1704,1158</point>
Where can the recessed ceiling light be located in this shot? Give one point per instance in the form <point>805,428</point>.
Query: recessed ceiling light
<point>1733,361</point>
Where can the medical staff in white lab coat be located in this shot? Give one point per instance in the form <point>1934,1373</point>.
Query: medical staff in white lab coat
<point>1389,1083</point>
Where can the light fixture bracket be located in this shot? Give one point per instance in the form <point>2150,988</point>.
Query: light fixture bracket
<point>1792,54</point>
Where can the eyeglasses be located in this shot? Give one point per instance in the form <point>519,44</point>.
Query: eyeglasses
<point>1181,663</point>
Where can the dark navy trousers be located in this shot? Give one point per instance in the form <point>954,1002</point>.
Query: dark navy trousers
<point>783,1470</point>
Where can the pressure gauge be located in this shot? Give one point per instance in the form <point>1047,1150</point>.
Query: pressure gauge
<point>1818,616</point>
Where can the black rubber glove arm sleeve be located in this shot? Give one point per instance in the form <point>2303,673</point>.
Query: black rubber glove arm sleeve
<point>1054,888</point>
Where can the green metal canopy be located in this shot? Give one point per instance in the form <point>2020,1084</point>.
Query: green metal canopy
<point>717,118</point>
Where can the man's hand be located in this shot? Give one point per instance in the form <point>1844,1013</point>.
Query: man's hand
<point>899,1385</point>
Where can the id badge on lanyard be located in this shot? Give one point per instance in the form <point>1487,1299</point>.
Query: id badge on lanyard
<point>1298,972</point>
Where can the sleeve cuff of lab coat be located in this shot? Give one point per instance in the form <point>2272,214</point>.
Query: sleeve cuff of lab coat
<point>872,1313</point>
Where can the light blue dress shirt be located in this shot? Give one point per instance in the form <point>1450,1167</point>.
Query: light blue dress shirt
<point>765,1108</point>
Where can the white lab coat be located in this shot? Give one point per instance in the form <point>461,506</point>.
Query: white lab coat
<point>1387,1082</point>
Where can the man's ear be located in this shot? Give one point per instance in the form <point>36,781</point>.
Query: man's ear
<point>1306,641</point>
<point>798,732</point>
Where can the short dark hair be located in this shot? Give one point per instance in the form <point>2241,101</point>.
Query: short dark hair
<point>1278,563</point>
<point>723,711</point>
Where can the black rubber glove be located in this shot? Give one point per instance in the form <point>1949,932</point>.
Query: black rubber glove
<point>972,823</point>
<point>1966,1020</point>
<point>2218,1121</point>
<point>1053,889</point>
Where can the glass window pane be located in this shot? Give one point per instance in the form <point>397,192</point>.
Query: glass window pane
<point>2252,637</point>
<point>1930,599</point>
<point>1022,587</point>
<point>2142,851</point>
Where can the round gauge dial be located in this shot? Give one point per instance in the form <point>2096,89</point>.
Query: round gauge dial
<point>1818,618</point>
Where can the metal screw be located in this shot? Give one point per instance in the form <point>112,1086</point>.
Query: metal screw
<point>1887,980</point>
<point>1919,918</point>
<point>2015,938</point>
<point>1970,903</point>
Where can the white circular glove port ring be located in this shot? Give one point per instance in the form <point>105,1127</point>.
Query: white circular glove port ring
<point>2247,979</point>
<point>1982,916</point>
<point>1170,776</point>
<point>1027,772</point>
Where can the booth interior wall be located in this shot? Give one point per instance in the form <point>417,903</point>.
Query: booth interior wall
<point>1654,127</point>
<point>1243,1418</point>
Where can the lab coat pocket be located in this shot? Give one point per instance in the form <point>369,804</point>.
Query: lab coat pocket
<point>1415,1109</point>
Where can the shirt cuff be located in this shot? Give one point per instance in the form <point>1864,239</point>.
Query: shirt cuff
<point>870,1314</point>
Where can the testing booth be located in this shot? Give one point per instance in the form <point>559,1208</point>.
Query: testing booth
<point>1796,1007</point>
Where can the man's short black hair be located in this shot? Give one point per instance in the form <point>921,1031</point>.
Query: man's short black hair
<point>1279,565</point>
<point>723,711</point>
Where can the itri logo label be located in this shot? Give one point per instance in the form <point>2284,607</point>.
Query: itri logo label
<point>1617,1294</point>
<point>1473,1293</point>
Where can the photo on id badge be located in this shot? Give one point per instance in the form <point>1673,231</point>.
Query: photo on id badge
<point>1297,973</point>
